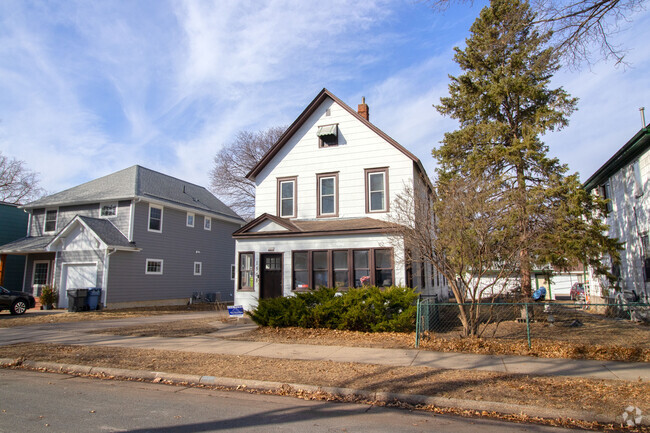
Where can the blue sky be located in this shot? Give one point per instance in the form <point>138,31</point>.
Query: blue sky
<point>89,88</point>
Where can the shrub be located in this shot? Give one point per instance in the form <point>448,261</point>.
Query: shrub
<point>368,309</point>
<point>48,296</point>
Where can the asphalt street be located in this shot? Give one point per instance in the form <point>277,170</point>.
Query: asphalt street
<point>46,402</point>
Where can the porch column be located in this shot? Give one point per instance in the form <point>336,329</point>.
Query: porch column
<point>3,263</point>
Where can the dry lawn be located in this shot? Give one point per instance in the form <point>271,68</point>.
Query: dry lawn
<point>31,318</point>
<point>607,397</point>
<point>178,328</point>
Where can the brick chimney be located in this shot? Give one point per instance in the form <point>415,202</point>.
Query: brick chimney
<point>363,109</point>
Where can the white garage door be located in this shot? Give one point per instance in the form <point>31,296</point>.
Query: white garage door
<point>77,277</point>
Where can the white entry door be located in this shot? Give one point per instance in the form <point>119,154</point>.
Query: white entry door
<point>79,276</point>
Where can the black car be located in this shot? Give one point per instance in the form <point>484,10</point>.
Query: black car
<point>15,302</point>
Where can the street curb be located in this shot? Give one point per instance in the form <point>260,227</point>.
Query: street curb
<point>414,399</point>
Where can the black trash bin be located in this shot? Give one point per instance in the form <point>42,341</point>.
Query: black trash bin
<point>77,299</point>
<point>92,299</point>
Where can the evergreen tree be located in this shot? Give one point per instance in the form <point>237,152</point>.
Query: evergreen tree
<point>504,104</point>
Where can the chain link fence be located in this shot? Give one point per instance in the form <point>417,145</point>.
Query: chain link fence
<point>620,323</point>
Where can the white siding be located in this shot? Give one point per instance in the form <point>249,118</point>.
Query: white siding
<point>359,148</point>
<point>628,220</point>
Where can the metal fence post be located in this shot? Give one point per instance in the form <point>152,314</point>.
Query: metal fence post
<point>417,325</point>
<point>528,326</point>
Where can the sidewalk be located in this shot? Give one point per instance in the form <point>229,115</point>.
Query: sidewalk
<point>78,333</point>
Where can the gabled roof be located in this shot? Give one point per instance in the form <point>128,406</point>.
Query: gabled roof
<point>289,228</point>
<point>103,230</point>
<point>313,105</point>
<point>138,182</point>
<point>626,154</point>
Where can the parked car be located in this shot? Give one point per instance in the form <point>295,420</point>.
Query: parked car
<point>577,291</point>
<point>15,302</point>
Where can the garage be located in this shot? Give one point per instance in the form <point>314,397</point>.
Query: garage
<point>76,276</point>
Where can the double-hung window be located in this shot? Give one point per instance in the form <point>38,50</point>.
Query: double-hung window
<point>328,191</point>
<point>246,271</point>
<point>287,197</point>
<point>50,220</point>
<point>376,180</point>
<point>155,218</point>
<point>189,221</point>
<point>207,223</point>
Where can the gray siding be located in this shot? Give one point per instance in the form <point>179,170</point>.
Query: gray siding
<point>38,222</point>
<point>67,214</point>
<point>29,268</point>
<point>179,247</point>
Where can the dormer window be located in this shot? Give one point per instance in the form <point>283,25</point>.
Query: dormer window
<point>328,135</point>
<point>50,220</point>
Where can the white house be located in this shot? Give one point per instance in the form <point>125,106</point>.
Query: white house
<point>623,179</point>
<point>323,208</point>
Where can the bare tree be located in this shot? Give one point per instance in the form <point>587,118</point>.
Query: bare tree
<point>579,26</point>
<point>234,161</point>
<point>461,230</point>
<point>18,184</point>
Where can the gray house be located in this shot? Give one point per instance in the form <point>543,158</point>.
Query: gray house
<point>144,237</point>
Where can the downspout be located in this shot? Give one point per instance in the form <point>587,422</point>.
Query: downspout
<point>107,259</point>
<point>643,251</point>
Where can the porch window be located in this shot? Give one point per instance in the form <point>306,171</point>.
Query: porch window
<point>321,268</point>
<point>361,267</point>
<point>384,269</point>
<point>300,270</point>
<point>342,268</point>
<point>341,271</point>
<point>246,273</point>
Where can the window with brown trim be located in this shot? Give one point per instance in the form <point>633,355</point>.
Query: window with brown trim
<point>328,135</point>
<point>327,190</point>
<point>300,266</point>
<point>287,197</point>
<point>376,184</point>
<point>342,268</point>
<point>320,268</point>
<point>246,271</point>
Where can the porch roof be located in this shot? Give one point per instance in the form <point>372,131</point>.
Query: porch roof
<point>322,227</point>
<point>32,244</point>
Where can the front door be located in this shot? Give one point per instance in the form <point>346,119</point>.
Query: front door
<point>271,276</point>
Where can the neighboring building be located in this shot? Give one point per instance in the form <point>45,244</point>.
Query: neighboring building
<point>13,225</point>
<point>323,208</point>
<point>624,181</point>
<point>144,237</point>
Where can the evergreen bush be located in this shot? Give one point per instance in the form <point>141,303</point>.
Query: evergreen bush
<point>367,309</point>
